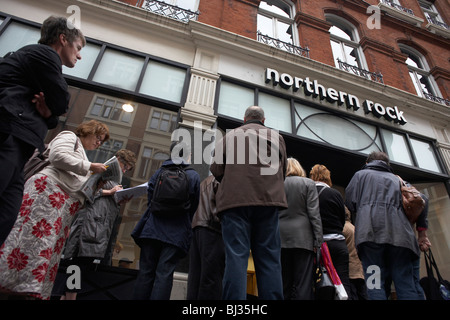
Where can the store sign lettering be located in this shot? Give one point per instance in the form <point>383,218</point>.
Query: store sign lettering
<point>315,89</point>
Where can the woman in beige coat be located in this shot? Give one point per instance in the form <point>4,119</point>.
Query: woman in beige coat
<point>30,256</point>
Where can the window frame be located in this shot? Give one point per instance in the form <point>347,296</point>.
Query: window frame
<point>344,25</point>
<point>277,17</point>
<point>424,72</point>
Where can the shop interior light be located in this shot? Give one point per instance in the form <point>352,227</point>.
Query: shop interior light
<point>127,107</point>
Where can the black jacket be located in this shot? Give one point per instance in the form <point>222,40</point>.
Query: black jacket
<point>28,71</point>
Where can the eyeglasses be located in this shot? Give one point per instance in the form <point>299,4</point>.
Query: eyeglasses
<point>99,139</point>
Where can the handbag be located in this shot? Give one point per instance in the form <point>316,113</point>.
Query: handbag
<point>434,289</point>
<point>340,292</point>
<point>413,203</point>
<point>36,163</point>
<point>323,286</point>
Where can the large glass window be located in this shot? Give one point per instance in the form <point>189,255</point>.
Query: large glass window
<point>396,147</point>
<point>425,155</point>
<point>338,131</point>
<point>16,36</point>
<point>84,66</point>
<point>163,81</point>
<point>234,100</point>
<point>438,226</point>
<point>119,69</point>
<point>277,112</point>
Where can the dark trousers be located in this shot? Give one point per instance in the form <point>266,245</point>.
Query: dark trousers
<point>206,265</point>
<point>339,256</point>
<point>14,153</point>
<point>385,262</point>
<point>297,271</point>
<point>256,229</point>
<point>156,267</point>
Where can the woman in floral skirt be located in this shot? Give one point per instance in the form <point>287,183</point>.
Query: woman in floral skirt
<point>30,255</point>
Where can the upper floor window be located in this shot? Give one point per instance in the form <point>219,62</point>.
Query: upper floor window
<point>344,41</point>
<point>419,72</point>
<point>276,20</point>
<point>432,14</point>
<point>185,4</point>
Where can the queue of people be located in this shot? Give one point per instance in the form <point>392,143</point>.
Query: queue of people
<point>266,205</point>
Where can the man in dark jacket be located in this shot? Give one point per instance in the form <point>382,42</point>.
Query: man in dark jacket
<point>164,240</point>
<point>250,164</point>
<point>33,93</point>
<point>384,237</point>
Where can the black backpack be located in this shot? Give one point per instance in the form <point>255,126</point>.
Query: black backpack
<point>171,192</point>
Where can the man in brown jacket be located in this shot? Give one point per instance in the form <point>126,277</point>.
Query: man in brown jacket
<point>250,163</point>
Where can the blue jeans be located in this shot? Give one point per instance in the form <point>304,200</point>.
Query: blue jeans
<point>256,229</point>
<point>156,267</point>
<point>396,263</point>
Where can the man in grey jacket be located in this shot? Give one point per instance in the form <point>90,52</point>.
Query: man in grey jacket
<point>384,237</point>
<point>250,164</point>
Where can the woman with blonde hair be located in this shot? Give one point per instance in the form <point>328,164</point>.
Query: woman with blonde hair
<point>301,233</point>
<point>332,213</point>
<point>31,253</point>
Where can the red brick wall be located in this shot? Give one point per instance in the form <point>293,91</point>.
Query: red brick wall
<point>380,46</point>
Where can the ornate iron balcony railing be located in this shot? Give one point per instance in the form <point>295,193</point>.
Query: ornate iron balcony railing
<point>438,23</point>
<point>289,47</point>
<point>169,10</point>
<point>431,97</point>
<point>397,6</point>
<point>378,77</point>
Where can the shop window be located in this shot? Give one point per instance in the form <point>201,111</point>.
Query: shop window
<point>396,147</point>
<point>109,108</point>
<point>419,72</point>
<point>163,120</point>
<point>16,36</point>
<point>276,20</point>
<point>163,81</point>
<point>438,226</point>
<point>234,100</point>
<point>119,70</point>
<point>84,66</point>
<point>424,152</point>
<point>339,131</point>
<point>344,41</point>
<point>277,112</point>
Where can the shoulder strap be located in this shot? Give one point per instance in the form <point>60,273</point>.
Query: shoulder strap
<point>323,188</point>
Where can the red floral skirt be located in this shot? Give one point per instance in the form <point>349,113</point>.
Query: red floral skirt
<point>30,256</point>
